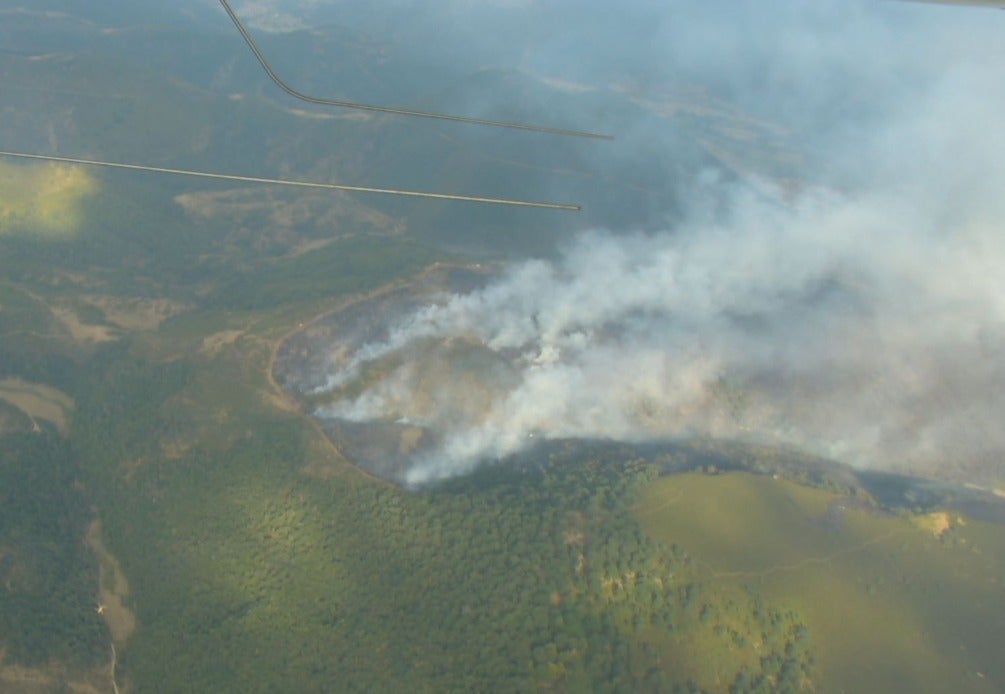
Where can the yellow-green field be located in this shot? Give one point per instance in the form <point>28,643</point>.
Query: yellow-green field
<point>45,199</point>
<point>892,603</point>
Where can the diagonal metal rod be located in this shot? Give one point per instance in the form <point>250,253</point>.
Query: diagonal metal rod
<point>300,184</point>
<point>1000,4</point>
<point>392,109</point>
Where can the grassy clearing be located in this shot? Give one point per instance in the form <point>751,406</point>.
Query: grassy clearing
<point>890,603</point>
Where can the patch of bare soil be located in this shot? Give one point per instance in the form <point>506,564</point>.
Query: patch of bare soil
<point>136,314</point>
<point>113,589</point>
<point>938,523</point>
<point>38,402</point>
<point>212,344</point>
<point>51,678</point>
<point>82,332</point>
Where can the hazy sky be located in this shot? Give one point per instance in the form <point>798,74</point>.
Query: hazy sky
<point>858,314</point>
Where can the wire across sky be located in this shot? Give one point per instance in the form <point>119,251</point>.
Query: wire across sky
<point>336,186</point>
<point>300,184</point>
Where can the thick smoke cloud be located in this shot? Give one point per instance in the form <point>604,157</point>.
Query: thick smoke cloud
<point>858,313</point>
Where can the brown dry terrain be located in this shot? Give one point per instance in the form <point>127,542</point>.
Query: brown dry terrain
<point>250,206</point>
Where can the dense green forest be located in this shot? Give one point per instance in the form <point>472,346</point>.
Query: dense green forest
<point>48,576</point>
<point>250,576</point>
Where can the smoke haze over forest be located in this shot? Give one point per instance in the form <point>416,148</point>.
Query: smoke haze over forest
<point>855,312</point>
<point>305,439</point>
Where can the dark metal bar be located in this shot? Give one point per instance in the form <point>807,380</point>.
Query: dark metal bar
<point>392,109</point>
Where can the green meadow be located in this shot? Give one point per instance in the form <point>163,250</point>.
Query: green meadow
<point>894,602</point>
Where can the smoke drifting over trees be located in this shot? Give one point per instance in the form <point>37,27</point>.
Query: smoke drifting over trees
<point>856,312</point>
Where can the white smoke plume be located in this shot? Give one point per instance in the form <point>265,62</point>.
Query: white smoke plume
<point>861,317</point>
